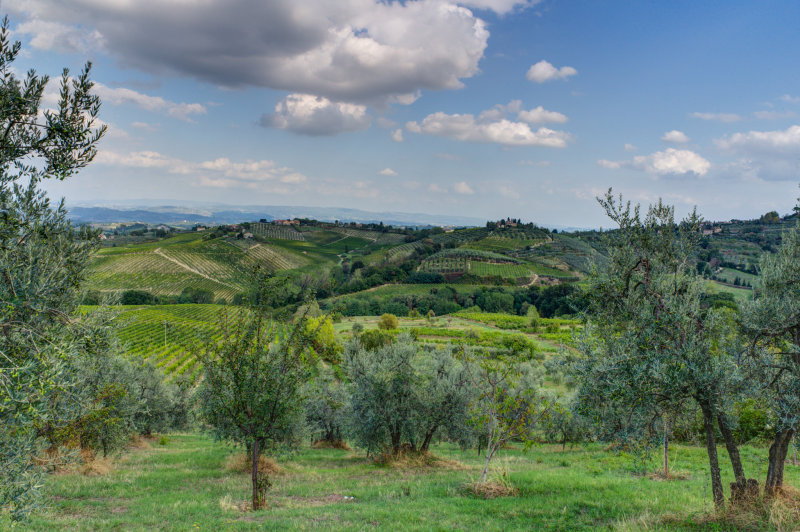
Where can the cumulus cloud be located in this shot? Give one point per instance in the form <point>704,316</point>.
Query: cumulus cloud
<point>221,172</point>
<point>543,71</point>
<point>786,142</point>
<point>362,51</point>
<point>717,117</point>
<point>465,128</point>
<point>789,98</point>
<point>663,163</point>
<point>397,135</point>
<point>770,155</point>
<point>493,125</point>
<point>630,147</point>
<point>388,172</point>
<point>121,95</point>
<point>314,115</point>
<point>463,188</point>
<point>675,137</point>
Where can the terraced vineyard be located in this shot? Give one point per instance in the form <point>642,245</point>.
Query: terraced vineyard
<point>402,251</point>
<point>502,244</point>
<point>456,264</point>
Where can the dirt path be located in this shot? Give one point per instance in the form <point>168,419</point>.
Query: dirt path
<point>158,251</point>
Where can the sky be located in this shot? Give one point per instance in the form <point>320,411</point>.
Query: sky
<point>486,108</point>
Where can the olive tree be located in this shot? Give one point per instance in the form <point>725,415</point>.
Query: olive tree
<point>509,404</point>
<point>771,323</point>
<point>648,345</point>
<point>253,382</point>
<point>43,261</point>
<point>404,396</point>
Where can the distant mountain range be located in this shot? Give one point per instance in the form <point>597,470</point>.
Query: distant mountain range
<point>171,214</point>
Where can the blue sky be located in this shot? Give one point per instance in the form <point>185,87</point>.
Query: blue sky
<point>484,108</point>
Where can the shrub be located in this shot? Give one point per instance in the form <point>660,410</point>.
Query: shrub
<point>403,398</point>
<point>327,409</point>
<point>388,322</point>
<point>374,339</point>
<point>137,297</point>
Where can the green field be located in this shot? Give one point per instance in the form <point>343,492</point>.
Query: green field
<point>185,485</point>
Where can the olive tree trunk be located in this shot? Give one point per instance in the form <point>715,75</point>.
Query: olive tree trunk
<point>713,461</point>
<point>777,457</point>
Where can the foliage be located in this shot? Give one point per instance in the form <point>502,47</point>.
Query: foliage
<point>253,378</point>
<point>388,322</point>
<point>323,338</point>
<point>43,263</point>
<point>771,324</point>
<point>509,405</point>
<point>648,345</point>
<point>403,397</point>
<point>327,409</point>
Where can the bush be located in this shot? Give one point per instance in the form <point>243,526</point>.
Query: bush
<point>137,297</point>
<point>375,339</point>
<point>403,398</point>
<point>327,409</point>
<point>388,322</point>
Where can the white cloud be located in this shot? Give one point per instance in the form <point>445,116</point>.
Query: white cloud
<point>541,164</point>
<point>53,35</point>
<point>717,117</point>
<point>463,188</point>
<point>397,135</point>
<point>121,95</point>
<point>361,51</point>
<point>791,99</point>
<point>630,147</point>
<point>662,163</point>
<point>543,71</point>
<point>433,187</point>
<point>501,7</point>
<point>675,137</point>
<point>786,142</point>
<point>769,155</point>
<point>492,126</point>
<point>221,172</point>
<point>314,115</point>
<point>388,171</point>
<point>540,115</point>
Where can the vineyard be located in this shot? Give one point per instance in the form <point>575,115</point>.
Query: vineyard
<point>280,232</point>
<point>502,244</point>
<point>568,251</point>
<point>474,254</point>
<point>461,265</point>
<point>402,251</point>
<point>187,261</point>
<point>165,335</point>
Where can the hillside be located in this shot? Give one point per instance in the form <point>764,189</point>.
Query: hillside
<point>346,258</point>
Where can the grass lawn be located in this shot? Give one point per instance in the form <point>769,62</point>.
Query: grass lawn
<point>185,485</point>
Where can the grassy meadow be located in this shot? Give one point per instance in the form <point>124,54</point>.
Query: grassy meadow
<point>185,482</point>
